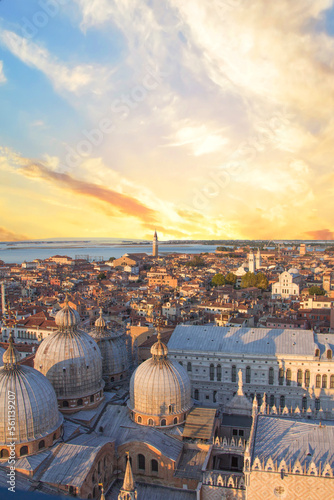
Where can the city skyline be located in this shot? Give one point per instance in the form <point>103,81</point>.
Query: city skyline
<point>202,121</point>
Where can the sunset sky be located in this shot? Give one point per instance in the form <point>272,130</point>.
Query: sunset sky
<point>199,118</point>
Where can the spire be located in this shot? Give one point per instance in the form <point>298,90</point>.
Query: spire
<point>102,497</point>
<point>11,357</point>
<point>159,350</point>
<point>128,490</point>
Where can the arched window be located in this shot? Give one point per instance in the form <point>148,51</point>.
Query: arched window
<point>4,453</point>
<point>196,394</point>
<point>299,378</point>
<point>248,374</point>
<point>23,451</point>
<point>170,409</point>
<point>234,373</point>
<point>282,401</point>
<point>324,381</point>
<point>272,400</point>
<point>280,376</point>
<point>163,422</point>
<point>141,462</point>
<point>219,373</point>
<point>79,402</point>
<point>212,372</point>
<point>332,381</point>
<point>318,381</point>
<point>304,403</point>
<point>139,419</point>
<point>154,466</point>
<point>41,444</point>
<point>150,421</point>
<point>317,404</point>
<point>317,353</point>
<point>65,404</point>
<point>175,420</point>
<point>307,378</point>
<point>288,377</point>
<point>189,367</point>
<point>271,376</point>
<point>92,398</point>
<point>329,353</point>
<point>99,467</point>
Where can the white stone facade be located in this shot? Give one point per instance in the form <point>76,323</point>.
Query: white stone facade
<point>285,287</point>
<point>304,378</point>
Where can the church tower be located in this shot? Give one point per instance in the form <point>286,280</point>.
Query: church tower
<point>251,262</point>
<point>258,259</point>
<point>155,245</point>
<point>128,490</point>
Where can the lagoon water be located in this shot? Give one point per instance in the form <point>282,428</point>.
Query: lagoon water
<point>96,249</point>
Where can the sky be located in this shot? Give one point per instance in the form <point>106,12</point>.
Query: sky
<point>202,119</point>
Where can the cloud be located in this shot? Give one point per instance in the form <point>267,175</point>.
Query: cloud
<point>8,235</point>
<point>321,234</point>
<point>3,79</point>
<point>78,78</point>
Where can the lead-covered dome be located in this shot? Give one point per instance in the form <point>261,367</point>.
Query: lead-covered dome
<point>159,390</point>
<point>35,421</point>
<point>115,358</point>
<point>72,362</point>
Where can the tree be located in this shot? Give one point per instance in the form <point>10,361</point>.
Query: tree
<point>196,261</point>
<point>111,259</point>
<point>218,280</point>
<point>101,276</point>
<point>316,290</point>
<point>231,279</point>
<point>261,281</point>
<point>248,280</point>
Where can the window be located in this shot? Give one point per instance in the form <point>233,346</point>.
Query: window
<point>219,373</point>
<point>154,466</point>
<point>234,462</point>
<point>324,381</point>
<point>92,399</point>
<point>304,403</point>
<point>271,376</point>
<point>175,420</point>
<point>281,376</point>
<point>332,381</point>
<point>4,453</point>
<point>196,394</point>
<point>318,381</point>
<point>41,444</point>
<point>288,377</point>
<point>234,432</point>
<point>139,419</point>
<point>141,462</point>
<point>307,378</point>
<point>23,451</point>
<point>317,404</point>
<point>234,373</point>
<point>188,366</point>
<point>212,372</point>
<point>79,402</point>
<point>329,354</point>
<point>150,421</point>
<point>163,422</point>
<point>299,378</point>
<point>248,374</point>
<point>65,404</point>
<point>282,401</point>
<point>272,400</point>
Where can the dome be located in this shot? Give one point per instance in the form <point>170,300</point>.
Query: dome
<point>115,360</point>
<point>72,362</point>
<point>36,408</point>
<point>293,271</point>
<point>159,390</point>
<point>67,317</point>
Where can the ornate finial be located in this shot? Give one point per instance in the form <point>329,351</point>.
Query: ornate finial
<point>240,389</point>
<point>11,356</point>
<point>102,492</point>
<point>159,349</point>
<point>66,300</point>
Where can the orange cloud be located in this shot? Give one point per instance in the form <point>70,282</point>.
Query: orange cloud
<point>7,235</point>
<point>321,234</point>
<point>125,204</point>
